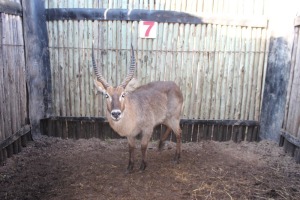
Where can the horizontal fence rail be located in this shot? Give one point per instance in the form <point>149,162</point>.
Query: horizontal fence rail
<point>160,16</point>
<point>192,130</point>
<point>11,7</point>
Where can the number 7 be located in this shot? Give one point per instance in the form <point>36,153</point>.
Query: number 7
<point>150,24</point>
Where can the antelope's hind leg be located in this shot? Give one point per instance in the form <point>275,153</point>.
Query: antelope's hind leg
<point>163,138</point>
<point>144,145</point>
<point>177,132</point>
<point>174,124</point>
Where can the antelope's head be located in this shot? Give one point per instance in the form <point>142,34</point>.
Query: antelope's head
<point>115,96</point>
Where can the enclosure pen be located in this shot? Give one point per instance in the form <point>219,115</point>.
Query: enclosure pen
<point>217,52</point>
<point>235,65</point>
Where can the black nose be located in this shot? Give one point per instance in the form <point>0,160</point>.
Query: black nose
<point>116,114</point>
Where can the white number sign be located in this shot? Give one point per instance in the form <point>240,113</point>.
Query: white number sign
<point>147,29</point>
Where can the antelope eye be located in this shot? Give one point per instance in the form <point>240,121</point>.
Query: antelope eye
<point>123,95</point>
<point>106,96</point>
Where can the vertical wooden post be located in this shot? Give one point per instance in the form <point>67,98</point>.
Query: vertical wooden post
<point>37,62</point>
<point>278,67</point>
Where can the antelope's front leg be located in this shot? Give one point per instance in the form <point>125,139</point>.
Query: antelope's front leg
<point>131,145</point>
<point>144,146</point>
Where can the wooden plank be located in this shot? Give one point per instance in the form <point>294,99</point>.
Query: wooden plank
<point>2,106</point>
<point>238,78</point>
<point>24,141</point>
<point>291,138</point>
<point>236,75</point>
<point>95,42</point>
<point>71,128</point>
<point>229,133</point>
<point>19,73</point>
<point>294,126</point>
<point>178,65</point>
<point>58,128</point>
<point>198,84</point>
<point>241,134</point>
<point>186,70</point>
<point>11,7</point>
<point>219,72</point>
<point>9,150</point>
<point>24,130</point>
<point>287,121</point>
<point>6,73</point>
<point>210,132</point>
<point>13,78</point>
<point>43,127</point>
<point>254,63</point>
<point>89,83</point>
<point>70,84</point>
<point>50,127</point>
<point>249,134</point>
<point>65,63</point>
<point>76,56</point>
<point>231,59</point>
<point>158,48</point>
<point>16,148</point>
<point>24,102</point>
<point>38,79</point>
<point>262,57</point>
<point>64,124</point>
<point>185,132</point>
<point>289,148</point>
<point>235,133</point>
<point>221,122</point>
<point>161,16</point>
<point>195,133</point>
<point>61,68</point>
<point>297,21</point>
<point>273,108</point>
<point>297,155</point>
<point>201,135</point>
<point>206,84</point>
<point>249,71</point>
<point>2,157</point>
<point>55,70</point>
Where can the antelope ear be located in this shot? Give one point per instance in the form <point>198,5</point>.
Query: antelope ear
<point>99,86</point>
<point>132,85</point>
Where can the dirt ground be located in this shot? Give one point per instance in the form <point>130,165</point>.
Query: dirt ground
<point>53,168</point>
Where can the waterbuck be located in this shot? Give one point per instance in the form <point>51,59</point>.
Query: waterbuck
<point>133,110</point>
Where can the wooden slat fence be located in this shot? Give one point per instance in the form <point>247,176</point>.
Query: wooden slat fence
<point>218,63</point>
<point>291,127</point>
<point>218,67</point>
<point>13,97</point>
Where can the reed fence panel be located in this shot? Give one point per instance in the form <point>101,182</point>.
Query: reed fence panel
<point>218,65</point>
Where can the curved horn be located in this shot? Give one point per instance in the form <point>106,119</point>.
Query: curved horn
<point>131,70</point>
<point>97,72</point>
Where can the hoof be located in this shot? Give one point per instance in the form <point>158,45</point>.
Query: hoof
<point>129,168</point>
<point>143,166</point>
